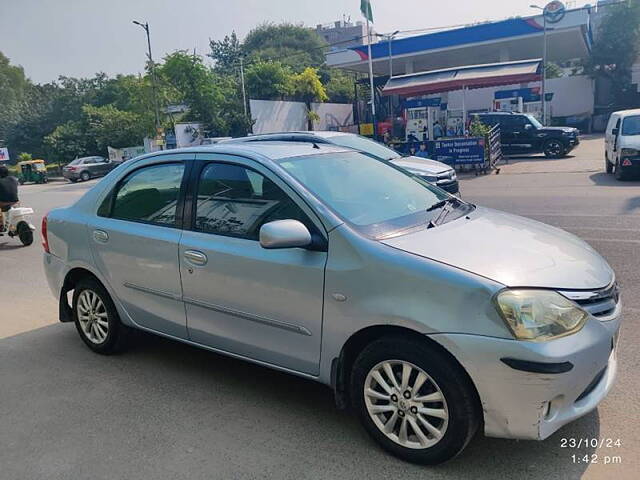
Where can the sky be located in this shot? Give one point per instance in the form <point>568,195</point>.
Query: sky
<point>79,38</point>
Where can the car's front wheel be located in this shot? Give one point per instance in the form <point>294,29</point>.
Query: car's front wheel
<point>96,317</point>
<point>554,149</point>
<point>414,400</point>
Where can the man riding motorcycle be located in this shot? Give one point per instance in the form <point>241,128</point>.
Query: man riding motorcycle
<point>8,193</point>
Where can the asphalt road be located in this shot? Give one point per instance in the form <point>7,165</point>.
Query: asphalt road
<point>164,410</point>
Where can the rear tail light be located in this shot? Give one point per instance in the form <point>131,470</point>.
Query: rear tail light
<point>45,235</point>
<point>626,162</point>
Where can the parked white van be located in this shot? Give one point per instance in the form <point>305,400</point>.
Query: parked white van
<point>622,144</point>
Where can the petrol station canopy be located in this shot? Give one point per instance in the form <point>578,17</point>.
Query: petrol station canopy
<point>484,43</point>
<point>474,76</point>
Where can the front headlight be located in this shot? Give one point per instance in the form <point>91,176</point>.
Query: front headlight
<point>539,315</point>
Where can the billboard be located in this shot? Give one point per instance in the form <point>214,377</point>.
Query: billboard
<point>4,154</point>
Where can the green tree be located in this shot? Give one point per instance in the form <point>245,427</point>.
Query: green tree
<point>307,87</point>
<point>268,80</point>
<point>109,127</point>
<point>339,86</point>
<point>68,141</point>
<point>552,70</point>
<point>213,98</point>
<point>24,157</point>
<point>293,45</point>
<point>13,86</point>
<point>615,50</point>
<point>226,52</point>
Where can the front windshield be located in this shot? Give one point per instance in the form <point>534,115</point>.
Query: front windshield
<point>366,145</point>
<point>534,121</point>
<point>374,197</point>
<point>631,125</point>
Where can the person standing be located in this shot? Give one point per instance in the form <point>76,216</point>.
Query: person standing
<point>422,153</point>
<point>437,130</point>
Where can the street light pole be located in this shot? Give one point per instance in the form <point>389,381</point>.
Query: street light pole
<point>154,86</point>
<point>544,61</point>
<point>389,37</point>
<point>544,70</point>
<point>244,93</point>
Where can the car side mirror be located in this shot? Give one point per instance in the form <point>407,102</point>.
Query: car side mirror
<point>614,132</point>
<point>528,126</point>
<point>284,234</point>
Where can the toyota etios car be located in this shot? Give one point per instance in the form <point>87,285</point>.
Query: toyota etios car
<point>429,316</point>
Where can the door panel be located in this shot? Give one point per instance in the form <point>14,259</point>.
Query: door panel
<point>141,264</point>
<point>263,304</point>
<point>242,298</point>
<point>135,245</point>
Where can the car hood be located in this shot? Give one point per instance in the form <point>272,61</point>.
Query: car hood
<point>511,250</point>
<point>420,165</point>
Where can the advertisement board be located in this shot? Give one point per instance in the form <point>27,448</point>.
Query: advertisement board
<point>459,151</point>
<point>4,154</point>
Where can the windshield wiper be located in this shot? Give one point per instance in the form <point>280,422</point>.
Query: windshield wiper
<point>447,205</point>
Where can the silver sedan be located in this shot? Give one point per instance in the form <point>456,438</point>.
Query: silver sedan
<point>429,316</point>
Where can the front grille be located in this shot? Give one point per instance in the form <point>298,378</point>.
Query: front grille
<point>599,303</point>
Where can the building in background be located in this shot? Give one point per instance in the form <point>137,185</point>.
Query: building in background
<point>344,34</point>
<point>572,99</point>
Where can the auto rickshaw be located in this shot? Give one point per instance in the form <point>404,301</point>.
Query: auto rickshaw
<point>32,171</point>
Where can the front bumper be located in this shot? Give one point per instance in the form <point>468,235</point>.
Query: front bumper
<point>527,405</point>
<point>451,186</point>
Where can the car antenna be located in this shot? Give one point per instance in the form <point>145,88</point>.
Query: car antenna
<point>315,145</point>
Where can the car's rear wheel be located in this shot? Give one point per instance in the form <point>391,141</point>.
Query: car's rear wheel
<point>414,400</point>
<point>84,176</point>
<point>608,166</point>
<point>618,172</point>
<point>554,149</point>
<point>96,318</point>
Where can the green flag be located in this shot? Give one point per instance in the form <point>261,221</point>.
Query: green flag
<point>365,8</point>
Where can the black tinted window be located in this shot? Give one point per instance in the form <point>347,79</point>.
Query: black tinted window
<point>237,201</point>
<point>150,195</point>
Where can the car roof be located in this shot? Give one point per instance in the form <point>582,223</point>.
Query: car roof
<point>272,150</point>
<point>625,113</point>
<point>314,133</point>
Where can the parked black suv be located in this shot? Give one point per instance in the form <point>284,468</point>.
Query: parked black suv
<point>521,133</point>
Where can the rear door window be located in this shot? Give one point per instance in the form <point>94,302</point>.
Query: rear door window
<point>149,195</point>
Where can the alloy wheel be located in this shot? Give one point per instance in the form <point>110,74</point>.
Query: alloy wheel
<point>92,316</point>
<point>406,404</point>
<point>554,149</point>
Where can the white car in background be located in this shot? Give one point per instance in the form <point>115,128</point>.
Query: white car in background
<point>432,171</point>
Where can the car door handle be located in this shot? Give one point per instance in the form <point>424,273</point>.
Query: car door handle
<point>100,236</point>
<point>196,258</point>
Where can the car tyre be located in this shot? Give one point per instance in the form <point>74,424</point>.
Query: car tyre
<point>618,172</point>
<point>608,166</point>
<point>443,382</point>
<point>97,319</point>
<point>554,149</point>
<point>85,176</point>
<point>25,234</point>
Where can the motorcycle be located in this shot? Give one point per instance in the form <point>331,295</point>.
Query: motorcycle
<point>16,222</point>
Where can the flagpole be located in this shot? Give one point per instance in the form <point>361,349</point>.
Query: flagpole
<point>373,95</point>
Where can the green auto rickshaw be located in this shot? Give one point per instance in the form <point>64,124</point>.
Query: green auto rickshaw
<point>32,171</point>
